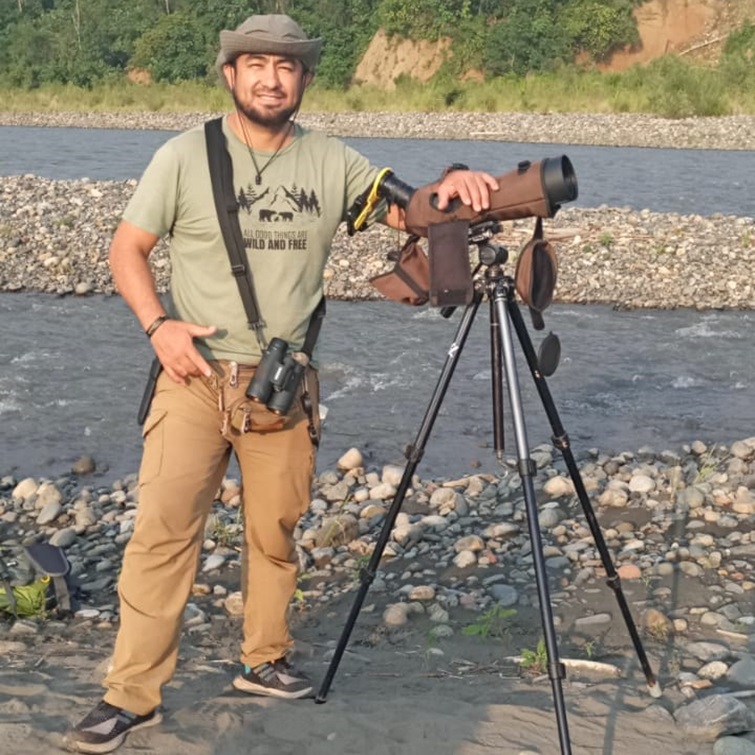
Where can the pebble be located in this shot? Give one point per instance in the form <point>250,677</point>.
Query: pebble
<point>705,262</point>
<point>712,717</point>
<point>733,746</point>
<point>443,568</point>
<point>600,129</point>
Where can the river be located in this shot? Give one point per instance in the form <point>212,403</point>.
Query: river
<point>72,369</point>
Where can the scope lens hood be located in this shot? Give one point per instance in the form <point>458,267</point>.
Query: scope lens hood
<point>559,180</point>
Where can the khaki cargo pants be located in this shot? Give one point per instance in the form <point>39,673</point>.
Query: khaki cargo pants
<point>188,439</point>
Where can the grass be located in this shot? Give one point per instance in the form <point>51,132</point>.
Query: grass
<point>710,462</point>
<point>225,534</point>
<point>360,563</point>
<point>658,632</point>
<point>606,240</point>
<point>668,87</point>
<point>495,622</point>
<point>535,661</point>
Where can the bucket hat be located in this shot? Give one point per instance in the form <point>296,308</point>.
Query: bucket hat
<point>268,35</point>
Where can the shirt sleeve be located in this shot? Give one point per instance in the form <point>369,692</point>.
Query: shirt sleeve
<point>360,174</point>
<point>153,204</point>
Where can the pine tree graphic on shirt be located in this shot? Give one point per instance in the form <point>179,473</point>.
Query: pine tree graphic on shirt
<point>282,206</point>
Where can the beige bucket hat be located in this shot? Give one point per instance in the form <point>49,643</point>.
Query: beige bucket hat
<point>268,35</point>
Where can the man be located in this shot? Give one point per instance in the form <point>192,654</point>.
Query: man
<point>294,188</point>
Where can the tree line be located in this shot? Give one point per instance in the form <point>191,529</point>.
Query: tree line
<point>85,42</point>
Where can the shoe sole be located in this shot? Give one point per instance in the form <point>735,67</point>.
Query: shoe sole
<point>243,685</point>
<point>113,744</point>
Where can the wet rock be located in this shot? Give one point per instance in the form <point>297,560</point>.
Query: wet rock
<point>83,466</point>
<point>714,716</point>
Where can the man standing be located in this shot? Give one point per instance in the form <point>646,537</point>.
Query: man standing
<point>294,188</point>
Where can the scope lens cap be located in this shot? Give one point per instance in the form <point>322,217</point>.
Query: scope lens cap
<point>549,354</point>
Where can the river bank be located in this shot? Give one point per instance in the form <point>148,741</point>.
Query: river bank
<point>598,129</point>
<point>450,627</point>
<point>54,238</point>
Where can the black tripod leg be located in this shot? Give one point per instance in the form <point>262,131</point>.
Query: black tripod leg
<point>413,455</point>
<point>497,382</point>
<point>561,441</point>
<point>556,670</point>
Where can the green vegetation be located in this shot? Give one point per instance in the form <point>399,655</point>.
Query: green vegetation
<point>534,55</point>
<point>84,42</point>
<point>495,622</point>
<point>535,661</point>
<point>712,461</point>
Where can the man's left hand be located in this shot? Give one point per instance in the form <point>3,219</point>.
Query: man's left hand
<point>472,187</point>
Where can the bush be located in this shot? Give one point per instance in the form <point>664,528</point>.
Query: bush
<point>679,90</point>
<point>738,59</point>
<point>177,48</point>
<point>528,40</point>
<point>598,27</point>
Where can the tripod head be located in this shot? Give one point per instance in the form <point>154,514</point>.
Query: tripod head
<point>488,254</point>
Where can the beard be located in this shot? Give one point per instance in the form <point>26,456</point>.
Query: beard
<point>274,121</point>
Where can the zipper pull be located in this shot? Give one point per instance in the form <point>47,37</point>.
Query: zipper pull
<point>233,380</point>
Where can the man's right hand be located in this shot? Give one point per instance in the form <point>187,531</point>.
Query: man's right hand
<point>173,343</point>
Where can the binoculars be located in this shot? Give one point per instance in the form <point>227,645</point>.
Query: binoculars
<point>277,377</point>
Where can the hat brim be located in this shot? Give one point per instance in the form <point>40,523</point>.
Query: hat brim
<point>233,44</point>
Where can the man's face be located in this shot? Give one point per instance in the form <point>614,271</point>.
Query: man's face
<point>267,89</point>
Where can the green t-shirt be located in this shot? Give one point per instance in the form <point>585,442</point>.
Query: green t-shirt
<point>288,222</point>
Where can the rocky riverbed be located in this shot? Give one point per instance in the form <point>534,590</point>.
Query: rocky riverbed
<point>599,129</point>
<point>54,237</point>
<point>457,578</point>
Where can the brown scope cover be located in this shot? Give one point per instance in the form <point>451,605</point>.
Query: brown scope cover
<point>521,194</point>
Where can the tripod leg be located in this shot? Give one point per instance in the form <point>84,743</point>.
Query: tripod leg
<point>556,670</point>
<point>497,382</point>
<point>414,455</point>
<point>561,441</point>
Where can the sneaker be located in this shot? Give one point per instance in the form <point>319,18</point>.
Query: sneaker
<point>105,728</point>
<point>274,679</point>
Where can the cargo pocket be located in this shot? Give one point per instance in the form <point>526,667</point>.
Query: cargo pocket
<point>153,434</point>
<point>249,416</point>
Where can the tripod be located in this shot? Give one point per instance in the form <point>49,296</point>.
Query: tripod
<point>504,315</point>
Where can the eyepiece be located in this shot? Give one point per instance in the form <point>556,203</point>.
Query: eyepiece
<point>395,191</point>
<point>559,180</point>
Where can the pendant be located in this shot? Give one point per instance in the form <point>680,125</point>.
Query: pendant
<point>258,180</point>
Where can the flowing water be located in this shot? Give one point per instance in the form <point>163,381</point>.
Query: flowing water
<point>72,369</point>
<point>72,372</point>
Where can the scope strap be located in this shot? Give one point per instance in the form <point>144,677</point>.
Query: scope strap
<point>313,331</point>
<point>227,208</point>
<point>371,198</point>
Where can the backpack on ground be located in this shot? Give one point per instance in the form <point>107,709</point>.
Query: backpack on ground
<point>36,581</point>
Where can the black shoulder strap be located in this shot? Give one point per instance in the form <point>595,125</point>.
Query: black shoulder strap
<point>227,208</point>
<point>313,329</point>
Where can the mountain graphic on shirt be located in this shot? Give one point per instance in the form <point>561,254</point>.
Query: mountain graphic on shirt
<point>281,205</point>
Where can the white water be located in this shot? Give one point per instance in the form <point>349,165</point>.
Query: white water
<point>72,372</point>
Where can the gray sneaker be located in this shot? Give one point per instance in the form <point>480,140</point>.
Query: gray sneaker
<point>274,679</point>
<point>105,728</point>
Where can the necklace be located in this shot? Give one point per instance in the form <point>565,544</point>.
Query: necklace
<point>259,171</point>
